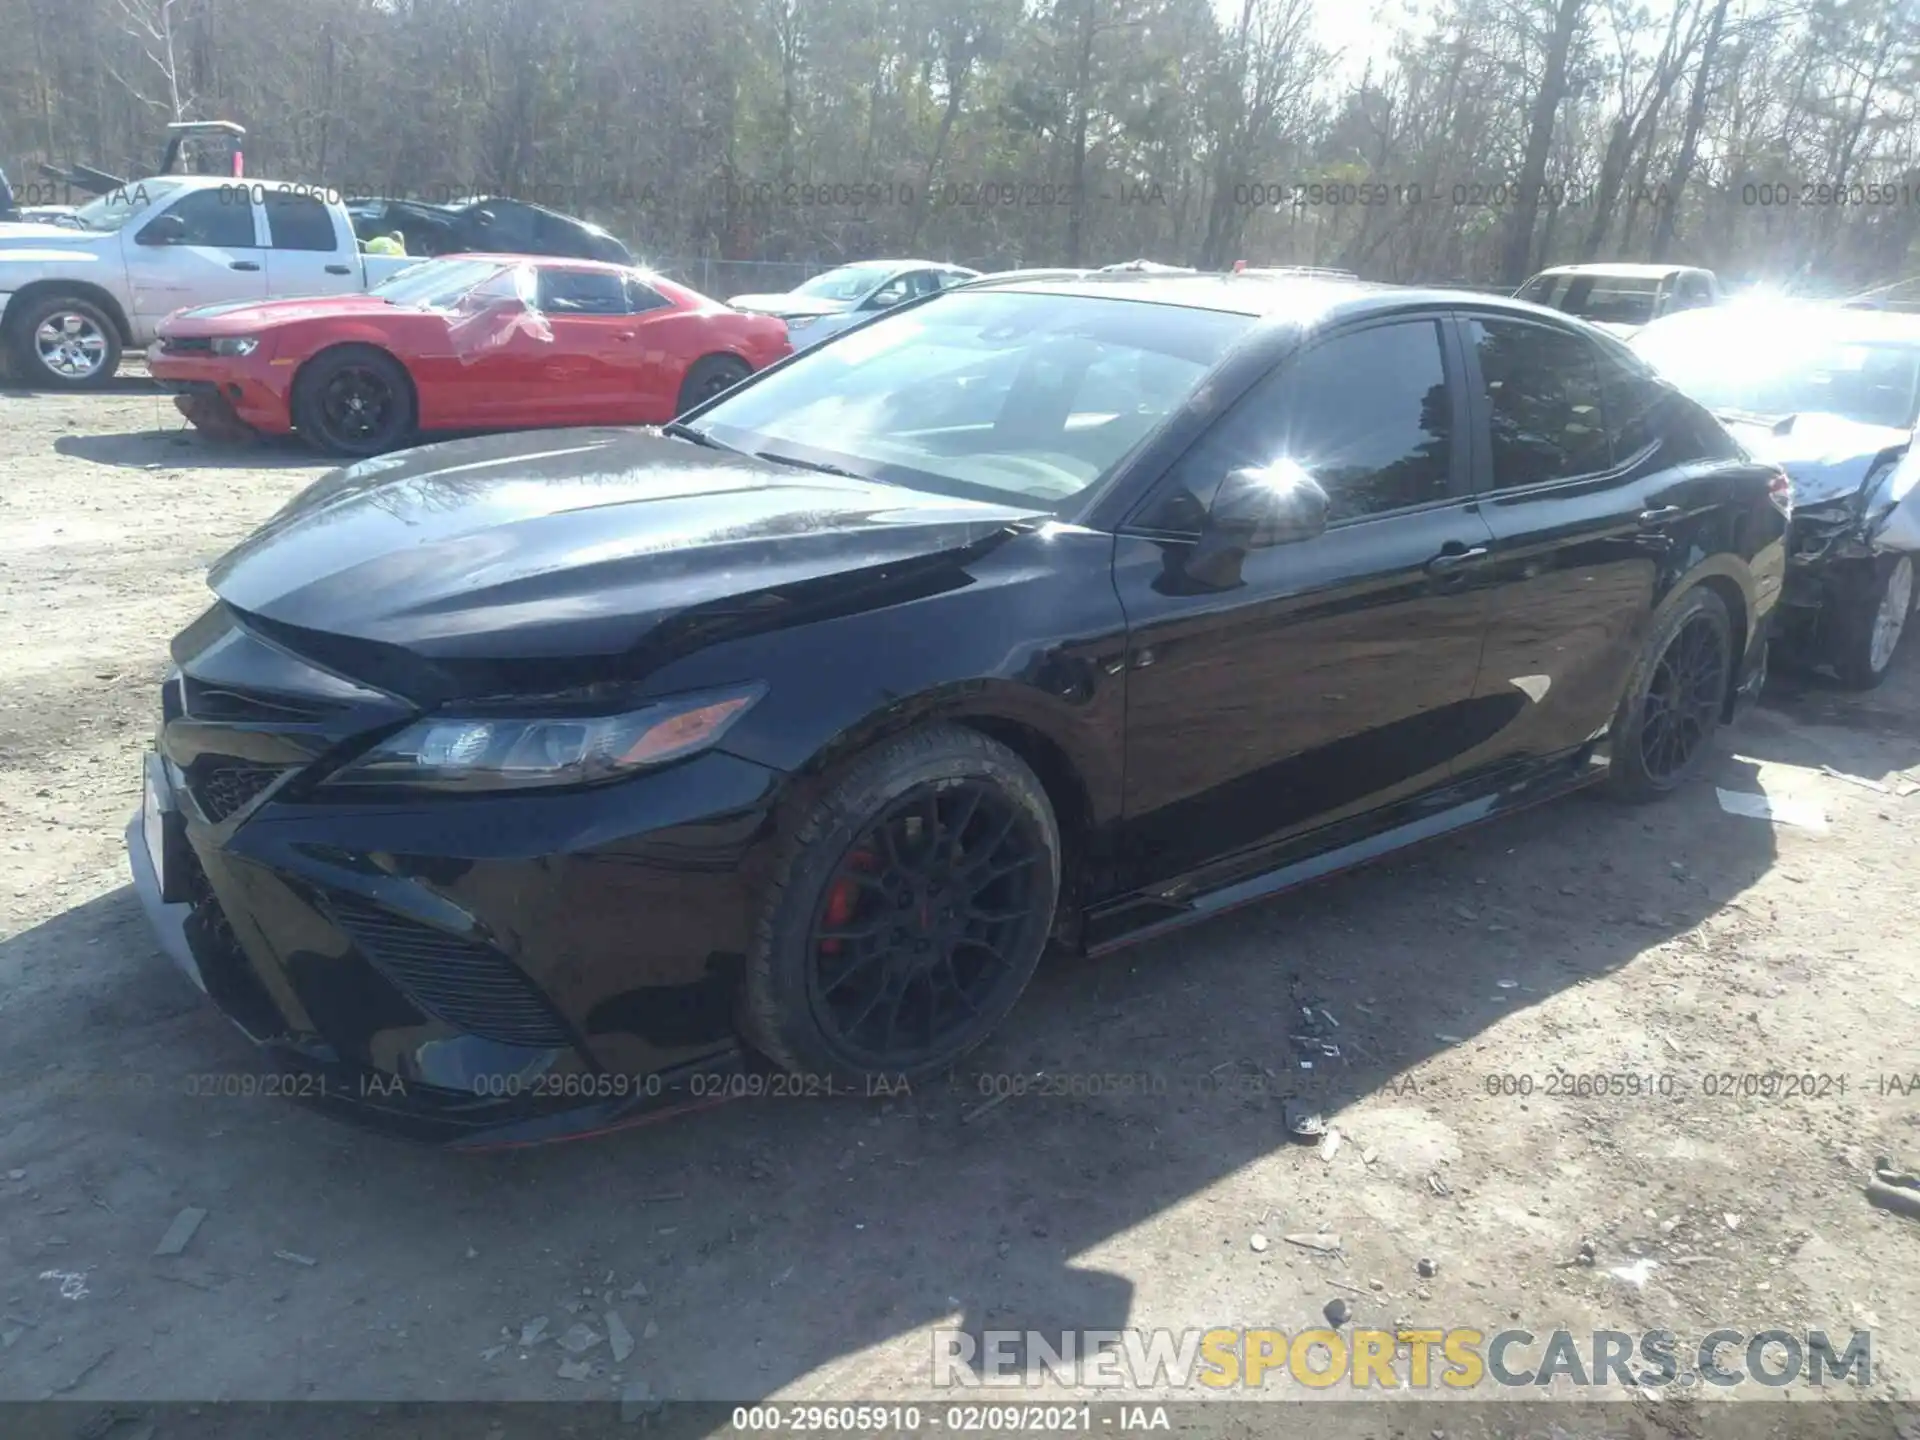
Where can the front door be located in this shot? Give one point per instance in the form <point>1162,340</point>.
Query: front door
<point>1329,677</point>
<point>216,257</point>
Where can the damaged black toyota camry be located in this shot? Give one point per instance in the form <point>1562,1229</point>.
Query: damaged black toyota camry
<point>529,786</point>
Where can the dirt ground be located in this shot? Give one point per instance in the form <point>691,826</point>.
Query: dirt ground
<point>807,1249</point>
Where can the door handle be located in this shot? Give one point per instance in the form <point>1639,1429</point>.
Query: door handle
<point>339,269</point>
<point>243,264</point>
<point>1450,560</point>
<point>1665,515</point>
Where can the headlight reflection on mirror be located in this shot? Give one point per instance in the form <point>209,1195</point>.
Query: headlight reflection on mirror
<point>513,752</point>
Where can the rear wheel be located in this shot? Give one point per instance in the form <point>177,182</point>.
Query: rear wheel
<point>353,400</point>
<point>1663,734</point>
<point>909,912</point>
<point>1870,614</point>
<point>62,342</point>
<point>710,377</point>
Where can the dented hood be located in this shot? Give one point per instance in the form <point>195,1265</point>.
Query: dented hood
<point>1828,457</point>
<point>571,543</point>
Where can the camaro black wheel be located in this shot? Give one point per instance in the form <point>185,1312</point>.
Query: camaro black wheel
<point>353,400</point>
<point>1871,608</point>
<point>708,378</point>
<point>64,343</point>
<point>909,912</point>
<point>1663,734</point>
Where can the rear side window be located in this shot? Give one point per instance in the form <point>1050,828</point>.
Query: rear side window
<point>582,292</point>
<point>1544,406</point>
<point>1368,413</point>
<point>1633,406</point>
<point>642,297</point>
<point>299,222</point>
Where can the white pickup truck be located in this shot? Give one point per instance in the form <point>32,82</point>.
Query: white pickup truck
<point>73,297</point>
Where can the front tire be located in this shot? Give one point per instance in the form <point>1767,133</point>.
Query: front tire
<point>1870,614</point>
<point>1662,735</point>
<point>353,400</point>
<point>61,342</point>
<point>908,912</point>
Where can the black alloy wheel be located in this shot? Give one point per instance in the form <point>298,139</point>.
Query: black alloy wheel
<point>354,401</point>
<point>923,921</point>
<point>1663,735</point>
<point>909,912</point>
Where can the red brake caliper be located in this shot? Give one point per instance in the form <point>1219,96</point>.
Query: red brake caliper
<point>843,899</point>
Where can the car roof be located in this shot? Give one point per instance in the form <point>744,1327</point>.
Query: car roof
<point>1275,297</point>
<point>1830,318</point>
<point>1635,269</point>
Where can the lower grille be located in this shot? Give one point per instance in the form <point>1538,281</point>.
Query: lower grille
<point>471,986</point>
<point>221,790</point>
<point>188,345</point>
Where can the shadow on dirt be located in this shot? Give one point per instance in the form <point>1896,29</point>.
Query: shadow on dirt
<point>1118,1089</point>
<point>178,448</point>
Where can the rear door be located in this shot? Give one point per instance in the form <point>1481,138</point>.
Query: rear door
<point>305,253</point>
<point>1583,503</point>
<point>217,258</point>
<point>1333,676</point>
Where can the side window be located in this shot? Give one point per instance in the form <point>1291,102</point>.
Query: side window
<point>1368,413</point>
<point>892,293</point>
<point>1543,399</point>
<point>299,222</point>
<point>503,226</point>
<point>581,292</point>
<point>642,297</point>
<point>222,217</point>
<point>1633,406</point>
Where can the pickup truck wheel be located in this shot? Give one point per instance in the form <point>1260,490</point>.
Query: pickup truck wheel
<point>64,343</point>
<point>1871,608</point>
<point>353,400</point>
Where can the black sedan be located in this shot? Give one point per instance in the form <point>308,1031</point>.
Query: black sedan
<point>527,786</point>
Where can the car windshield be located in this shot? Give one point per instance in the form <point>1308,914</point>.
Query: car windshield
<point>113,210</point>
<point>1603,299</point>
<point>443,284</point>
<point>1785,365</point>
<point>1008,397</point>
<point>849,282</point>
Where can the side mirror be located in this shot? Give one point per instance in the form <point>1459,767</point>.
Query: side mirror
<point>1255,509</point>
<point>168,229</point>
<point>1275,504</point>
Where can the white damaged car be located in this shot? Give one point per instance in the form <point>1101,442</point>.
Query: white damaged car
<point>1832,396</point>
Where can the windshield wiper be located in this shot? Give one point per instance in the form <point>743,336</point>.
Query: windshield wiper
<point>698,437</point>
<point>1779,424</point>
<point>813,465</point>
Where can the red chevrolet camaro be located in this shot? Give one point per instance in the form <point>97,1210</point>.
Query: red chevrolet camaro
<point>467,342</point>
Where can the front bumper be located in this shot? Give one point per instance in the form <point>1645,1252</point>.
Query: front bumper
<point>257,388</point>
<point>477,972</point>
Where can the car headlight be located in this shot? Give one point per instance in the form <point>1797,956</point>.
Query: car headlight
<point>800,322</point>
<point>485,752</point>
<point>235,345</point>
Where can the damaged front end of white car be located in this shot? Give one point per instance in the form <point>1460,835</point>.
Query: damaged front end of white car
<point>1852,547</point>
